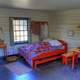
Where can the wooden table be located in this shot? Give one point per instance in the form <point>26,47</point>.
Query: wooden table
<point>75,50</point>
<point>4,47</point>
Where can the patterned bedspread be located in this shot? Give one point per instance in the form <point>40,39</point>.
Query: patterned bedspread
<point>32,50</point>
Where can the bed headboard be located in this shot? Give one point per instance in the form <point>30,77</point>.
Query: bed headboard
<point>65,44</point>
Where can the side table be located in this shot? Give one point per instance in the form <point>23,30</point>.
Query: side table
<point>73,56</point>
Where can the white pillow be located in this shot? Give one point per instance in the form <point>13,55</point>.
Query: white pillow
<point>54,43</point>
<point>47,40</point>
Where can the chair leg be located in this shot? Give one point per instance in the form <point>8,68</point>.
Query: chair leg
<point>76,58</point>
<point>66,61</point>
<point>73,60</point>
<point>63,60</point>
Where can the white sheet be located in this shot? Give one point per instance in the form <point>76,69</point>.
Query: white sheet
<point>53,42</point>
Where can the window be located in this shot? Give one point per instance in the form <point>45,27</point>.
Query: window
<point>19,30</point>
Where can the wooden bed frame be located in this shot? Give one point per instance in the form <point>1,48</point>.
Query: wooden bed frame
<point>48,56</point>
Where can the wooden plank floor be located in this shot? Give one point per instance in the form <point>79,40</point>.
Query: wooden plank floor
<point>50,71</point>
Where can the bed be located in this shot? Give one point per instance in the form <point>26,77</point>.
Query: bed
<point>41,52</point>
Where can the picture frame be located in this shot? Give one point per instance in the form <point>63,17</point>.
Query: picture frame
<point>70,33</point>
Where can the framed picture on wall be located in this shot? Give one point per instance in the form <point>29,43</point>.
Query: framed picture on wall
<point>70,33</point>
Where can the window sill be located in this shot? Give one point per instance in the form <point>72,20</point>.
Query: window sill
<point>18,43</point>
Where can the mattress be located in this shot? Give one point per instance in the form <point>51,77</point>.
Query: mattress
<point>32,50</point>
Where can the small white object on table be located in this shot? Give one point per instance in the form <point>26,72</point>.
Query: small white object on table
<point>75,50</point>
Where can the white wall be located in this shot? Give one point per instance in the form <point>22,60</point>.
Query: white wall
<point>4,22</point>
<point>66,21</point>
<point>52,22</point>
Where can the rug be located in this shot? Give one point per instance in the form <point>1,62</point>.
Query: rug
<point>18,68</point>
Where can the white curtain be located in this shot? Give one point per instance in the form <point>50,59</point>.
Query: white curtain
<point>44,31</point>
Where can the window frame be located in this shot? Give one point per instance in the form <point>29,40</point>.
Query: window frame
<point>12,42</point>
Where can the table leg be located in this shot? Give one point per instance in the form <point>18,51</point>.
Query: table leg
<point>76,58</point>
<point>5,51</point>
<point>73,59</point>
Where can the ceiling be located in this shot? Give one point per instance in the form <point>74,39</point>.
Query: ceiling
<point>40,4</point>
